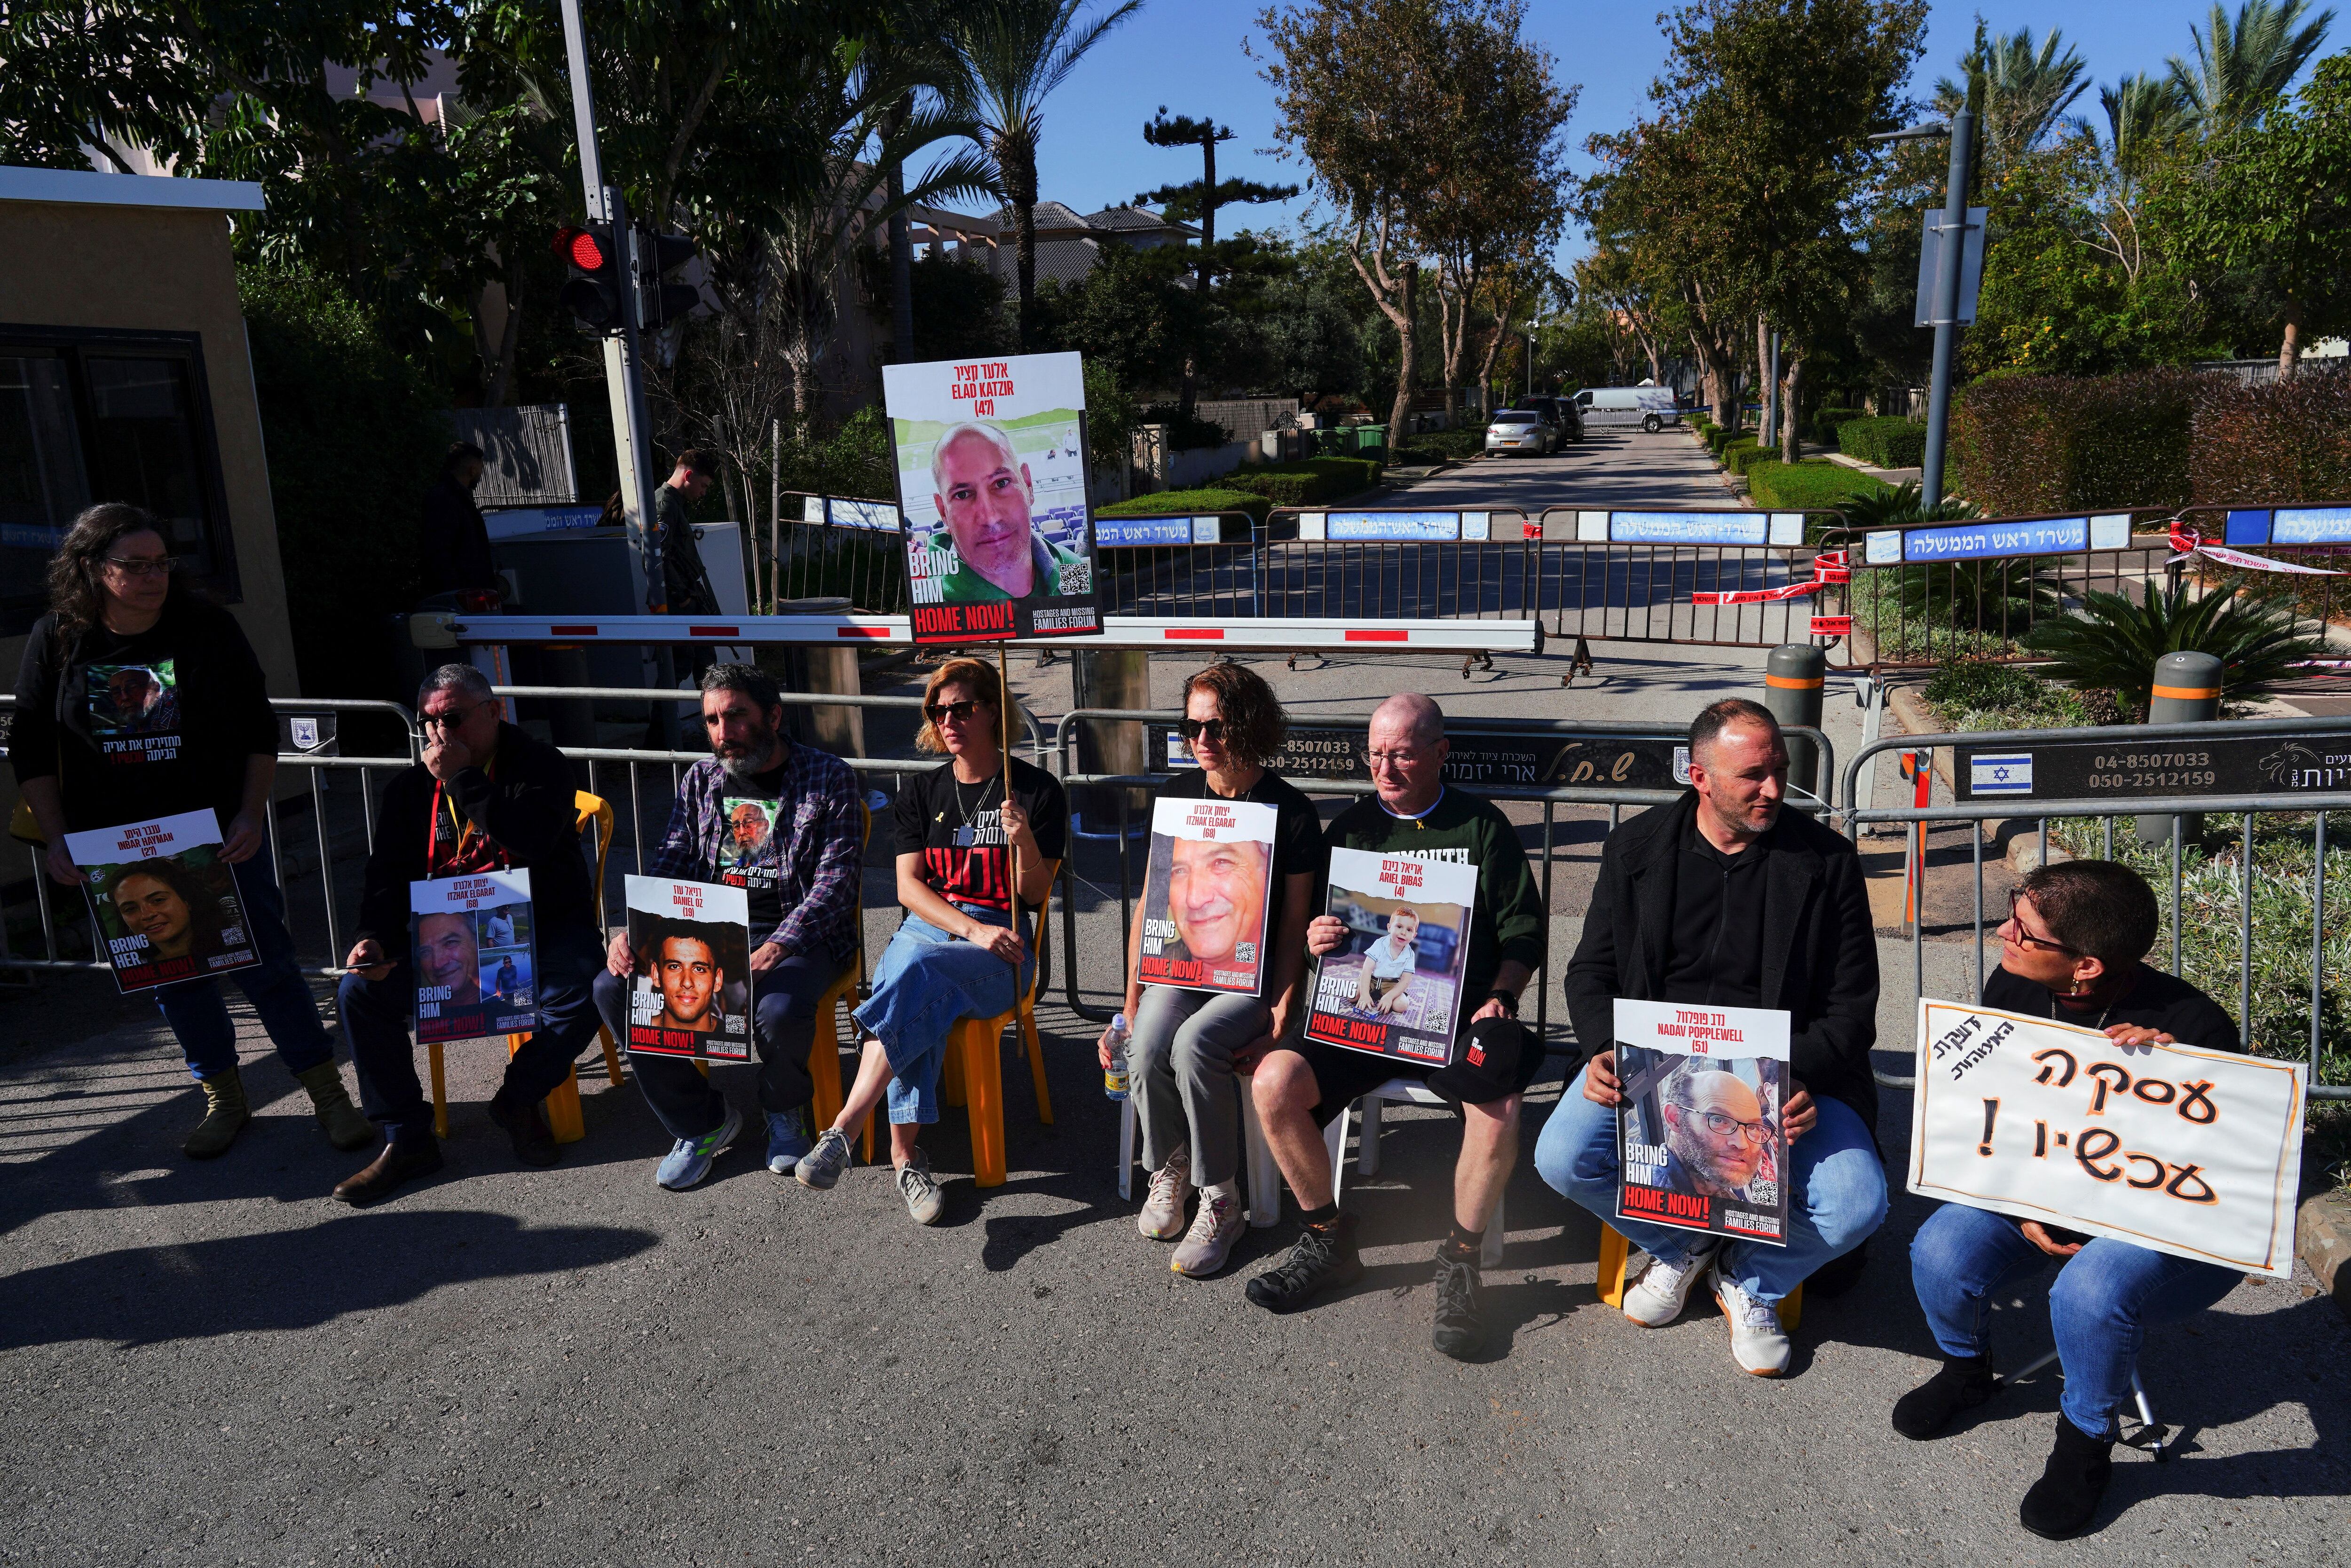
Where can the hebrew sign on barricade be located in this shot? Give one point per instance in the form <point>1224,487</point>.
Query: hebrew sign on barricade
<point>2195,1152</point>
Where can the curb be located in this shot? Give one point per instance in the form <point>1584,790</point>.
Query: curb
<point>2323,1224</point>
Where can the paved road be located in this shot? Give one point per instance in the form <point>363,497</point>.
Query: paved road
<point>1621,470</point>
<point>213,1363</point>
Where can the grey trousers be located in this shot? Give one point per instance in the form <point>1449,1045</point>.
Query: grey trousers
<point>1180,1072</point>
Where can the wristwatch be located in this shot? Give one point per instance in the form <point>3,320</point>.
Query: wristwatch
<point>1510,1003</point>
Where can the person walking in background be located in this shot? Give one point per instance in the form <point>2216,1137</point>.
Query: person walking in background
<point>453,543</point>
<point>1190,1047</point>
<point>85,761</point>
<point>686,582</point>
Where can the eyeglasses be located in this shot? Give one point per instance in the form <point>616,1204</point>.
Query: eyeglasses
<point>1393,759</point>
<point>448,720</point>
<point>1722,1125</point>
<point>144,566</point>
<point>1192,730</point>
<point>2026,940</point>
<point>938,713</point>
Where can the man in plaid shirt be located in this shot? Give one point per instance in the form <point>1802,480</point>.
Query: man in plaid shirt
<point>784,822</point>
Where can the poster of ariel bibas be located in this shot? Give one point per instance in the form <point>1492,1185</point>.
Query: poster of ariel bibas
<point>991,456</point>
<point>164,902</point>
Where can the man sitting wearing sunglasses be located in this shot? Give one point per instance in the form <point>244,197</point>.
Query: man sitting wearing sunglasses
<point>487,796</point>
<point>2070,950</point>
<point>1726,900</point>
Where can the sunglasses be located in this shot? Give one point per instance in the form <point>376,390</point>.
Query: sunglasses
<point>938,713</point>
<point>1192,730</point>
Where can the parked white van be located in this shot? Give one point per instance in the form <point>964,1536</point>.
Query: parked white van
<point>1650,407</point>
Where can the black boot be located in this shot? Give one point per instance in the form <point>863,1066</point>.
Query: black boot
<point>2061,1501</point>
<point>1962,1382</point>
<point>533,1143</point>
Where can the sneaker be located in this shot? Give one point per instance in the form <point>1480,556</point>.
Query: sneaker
<point>1321,1260</point>
<point>1162,1219</point>
<point>788,1139</point>
<point>689,1159</point>
<point>1961,1383</point>
<point>1460,1331</point>
<point>924,1199</point>
<point>1215,1229</point>
<point>1656,1298</point>
<point>1758,1343</point>
<point>822,1166</point>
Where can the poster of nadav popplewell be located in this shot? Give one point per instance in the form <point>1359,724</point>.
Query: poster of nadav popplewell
<point>991,456</point>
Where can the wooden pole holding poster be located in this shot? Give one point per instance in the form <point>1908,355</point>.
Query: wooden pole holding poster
<point>1004,762</point>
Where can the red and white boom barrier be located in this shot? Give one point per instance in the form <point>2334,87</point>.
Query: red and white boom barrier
<point>1521,636</point>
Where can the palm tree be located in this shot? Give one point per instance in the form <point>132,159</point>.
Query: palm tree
<point>1018,52</point>
<point>2242,70</point>
<point>2144,115</point>
<point>2112,645</point>
<point>2020,90</point>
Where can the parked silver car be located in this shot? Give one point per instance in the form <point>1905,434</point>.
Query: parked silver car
<point>1529,428</point>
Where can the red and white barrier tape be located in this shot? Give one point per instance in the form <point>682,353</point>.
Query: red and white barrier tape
<point>2190,544</point>
<point>1829,566</point>
<point>1451,636</point>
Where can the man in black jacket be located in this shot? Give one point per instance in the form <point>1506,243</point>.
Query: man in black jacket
<point>453,543</point>
<point>486,796</point>
<point>1724,899</point>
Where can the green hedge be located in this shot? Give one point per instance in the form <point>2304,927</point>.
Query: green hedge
<point>1455,444</point>
<point>1829,416</point>
<point>1740,459</point>
<point>2021,445</point>
<point>1303,484</point>
<point>1182,503</point>
<point>1884,442</point>
<point>1801,486</point>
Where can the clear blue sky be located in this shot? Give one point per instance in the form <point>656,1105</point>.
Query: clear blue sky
<point>1187,54</point>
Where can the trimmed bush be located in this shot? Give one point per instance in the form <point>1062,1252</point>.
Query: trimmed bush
<point>2021,445</point>
<point>1740,459</point>
<point>1802,486</point>
<point>1182,503</point>
<point>1453,445</point>
<point>2289,441</point>
<point>1303,484</point>
<point>1885,442</point>
<point>1829,416</point>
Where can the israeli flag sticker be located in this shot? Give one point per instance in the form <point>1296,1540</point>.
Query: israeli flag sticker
<point>2010,775</point>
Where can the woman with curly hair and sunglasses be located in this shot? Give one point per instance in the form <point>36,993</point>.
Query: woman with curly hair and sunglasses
<point>960,827</point>
<point>1187,1046</point>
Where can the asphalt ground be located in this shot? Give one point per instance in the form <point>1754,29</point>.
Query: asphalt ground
<point>214,1364</point>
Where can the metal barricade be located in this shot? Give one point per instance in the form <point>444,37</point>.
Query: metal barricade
<point>841,547</point>
<point>1626,576</point>
<point>2184,770</point>
<point>1394,564</point>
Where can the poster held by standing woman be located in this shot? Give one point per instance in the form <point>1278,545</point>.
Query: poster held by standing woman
<point>164,900</point>
<point>991,456</point>
<point>460,992</point>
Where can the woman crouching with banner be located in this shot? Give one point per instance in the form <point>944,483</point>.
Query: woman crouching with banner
<point>140,698</point>
<point>1214,966</point>
<point>960,827</point>
<point>2070,951</point>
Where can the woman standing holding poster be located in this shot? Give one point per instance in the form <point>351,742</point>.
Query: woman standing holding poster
<point>960,827</point>
<point>139,698</point>
<point>1187,1044</point>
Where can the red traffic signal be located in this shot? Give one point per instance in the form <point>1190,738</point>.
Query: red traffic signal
<point>592,293</point>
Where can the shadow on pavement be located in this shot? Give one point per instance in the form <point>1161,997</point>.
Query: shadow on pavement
<point>288,1279</point>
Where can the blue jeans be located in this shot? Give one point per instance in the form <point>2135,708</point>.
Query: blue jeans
<point>1837,1195</point>
<point>376,1016</point>
<point>280,996</point>
<point>926,981</point>
<point>2100,1306</point>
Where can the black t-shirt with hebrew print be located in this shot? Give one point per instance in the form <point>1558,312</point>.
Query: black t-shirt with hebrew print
<point>958,828</point>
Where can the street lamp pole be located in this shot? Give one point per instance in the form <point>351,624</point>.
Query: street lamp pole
<point>1950,254</point>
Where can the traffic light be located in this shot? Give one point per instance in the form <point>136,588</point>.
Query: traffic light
<point>659,303</point>
<point>592,293</point>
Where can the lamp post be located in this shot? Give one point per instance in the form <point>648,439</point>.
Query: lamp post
<point>1950,253</point>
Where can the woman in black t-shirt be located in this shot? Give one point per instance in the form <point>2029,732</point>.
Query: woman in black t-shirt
<point>1188,1046</point>
<point>2070,950</point>
<point>138,699</point>
<point>957,955</point>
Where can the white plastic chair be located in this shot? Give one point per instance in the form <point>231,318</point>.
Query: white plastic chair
<point>1257,1158</point>
<point>1410,1092</point>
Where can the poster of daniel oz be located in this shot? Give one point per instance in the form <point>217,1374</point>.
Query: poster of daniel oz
<point>2195,1152</point>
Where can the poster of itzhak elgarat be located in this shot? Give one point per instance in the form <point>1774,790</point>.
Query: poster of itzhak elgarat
<point>690,976</point>
<point>1700,1132</point>
<point>472,942</point>
<point>2195,1152</point>
<point>1205,895</point>
<point>164,902</point>
<point>1395,988</point>
<point>991,462</point>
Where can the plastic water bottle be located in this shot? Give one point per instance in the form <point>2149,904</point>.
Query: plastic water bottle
<point>1114,1076</point>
